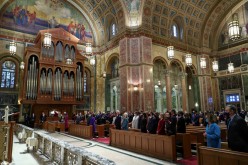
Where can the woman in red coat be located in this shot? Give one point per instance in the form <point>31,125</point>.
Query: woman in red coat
<point>161,125</point>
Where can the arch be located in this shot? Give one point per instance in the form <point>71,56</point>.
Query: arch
<point>177,63</point>
<point>161,58</point>
<point>192,69</point>
<point>109,21</point>
<point>109,61</point>
<point>177,28</point>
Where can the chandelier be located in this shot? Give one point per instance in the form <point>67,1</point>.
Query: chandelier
<point>188,59</point>
<point>215,66</point>
<point>230,67</point>
<point>170,52</point>
<point>47,40</point>
<point>203,63</point>
<point>88,49</point>
<point>12,47</point>
<point>233,28</point>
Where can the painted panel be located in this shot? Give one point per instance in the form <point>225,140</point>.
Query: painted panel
<point>34,15</point>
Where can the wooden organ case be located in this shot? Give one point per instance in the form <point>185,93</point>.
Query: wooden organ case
<point>53,77</point>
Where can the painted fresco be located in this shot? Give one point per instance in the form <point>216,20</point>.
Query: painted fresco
<point>30,16</point>
<point>133,6</point>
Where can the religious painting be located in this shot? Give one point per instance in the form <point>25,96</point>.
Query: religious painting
<point>34,15</point>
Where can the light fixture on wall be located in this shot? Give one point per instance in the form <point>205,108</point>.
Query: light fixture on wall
<point>88,49</point>
<point>215,66</point>
<point>159,83</point>
<point>47,40</point>
<point>135,88</point>
<point>203,62</point>
<point>12,47</point>
<point>69,61</point>
<point>170,52</point>
<point>22,65</point>
<point>233,27</point>
<point>188,59</point>
<point>104,74</point>
<point>190,87</point>
<point>92,60</point>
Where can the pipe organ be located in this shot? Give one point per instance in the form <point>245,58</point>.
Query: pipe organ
<point>48,78</point>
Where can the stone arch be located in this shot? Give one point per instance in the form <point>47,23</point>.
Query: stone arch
<point>177,63</point>
<point>111,58</point>
<point>162,59</point>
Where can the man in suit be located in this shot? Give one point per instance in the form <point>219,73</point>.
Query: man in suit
<point>118,120</point>
<point>237,130</point>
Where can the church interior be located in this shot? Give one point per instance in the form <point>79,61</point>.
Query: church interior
<point>84,81</point>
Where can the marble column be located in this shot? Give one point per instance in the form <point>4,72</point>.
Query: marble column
<point>136,70</point>
<point>184,92</point>
<point>168,89</point>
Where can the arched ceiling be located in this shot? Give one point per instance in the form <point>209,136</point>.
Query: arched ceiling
<point>200,17</point>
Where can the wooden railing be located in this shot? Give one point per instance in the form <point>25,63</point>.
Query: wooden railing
<point>214,156</point>
<point>81,131</point>
<point>158,146</point>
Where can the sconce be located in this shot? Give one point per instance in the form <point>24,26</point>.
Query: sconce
<point>104,74</point>
<point>22,65</point>
<point>176,87</point>
<point>135,88</point>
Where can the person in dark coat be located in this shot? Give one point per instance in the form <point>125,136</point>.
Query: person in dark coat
<point>173,121</point>
<point>118,120</point>
<point>161,125</point>
<point>152,124</point>
<point>181,126</point>
<point>237,130</point>
<point>32,120</point>
<point>143,123</point>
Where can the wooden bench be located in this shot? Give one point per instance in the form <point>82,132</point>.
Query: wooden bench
<point>214,156</point>
<point>100,130</point>
<point>81,131</point>
<point>158,146</point>
<point>183,143</point>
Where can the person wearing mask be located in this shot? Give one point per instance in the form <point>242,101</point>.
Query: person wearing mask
<point>168,126</point>
<point>135,121</point>
<point>181,126</point>
<point>124,122</point>
<point>237,130</point>
<point>161,125</point>
<point>173,121</point>
<point>117,121</point>
<point>212,132</point>
<point>143,123</point>
<point>32,120</point>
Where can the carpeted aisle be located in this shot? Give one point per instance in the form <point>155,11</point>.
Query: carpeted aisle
<point>189,161</point>
<point>102,140</point>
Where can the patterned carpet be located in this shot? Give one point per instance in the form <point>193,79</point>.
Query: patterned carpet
<point>189,161</point>
<point>102,140</point>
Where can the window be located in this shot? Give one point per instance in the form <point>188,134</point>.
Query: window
<point>175,31</point>
<point>113,29</point>
<point>8,74</point>
<point>85,82</point>
<point>232,98</point>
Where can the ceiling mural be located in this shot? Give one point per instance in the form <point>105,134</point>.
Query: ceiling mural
<point>34,15</point>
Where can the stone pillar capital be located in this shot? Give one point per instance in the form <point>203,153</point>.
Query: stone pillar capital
<point>167,72</point>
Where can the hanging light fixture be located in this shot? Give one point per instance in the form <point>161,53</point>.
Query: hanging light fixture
<point>12,47</point>
<point>233,28</point>
<point>22,65</point>
<point>47,40</point>
<point>188,59</point>
<point>215,66</point>
<point>230,67</point>
<point>88,49</point>
<point>92,60</point>
<point>203,63</point>
<point>170,52</point>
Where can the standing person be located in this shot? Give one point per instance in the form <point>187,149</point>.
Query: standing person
<point>32,120</point>
<point>66,121</point>
<point>152,124</point>
<point>124,122</point>
<point>237,130</point>
<point>143,123</point>
<point>135,121</point>
<point>161,125</point>
<point>181,126</point>
<point>212,132</point>
<point>118,120</point>
<point>93,123</point>
<point>173,121</point>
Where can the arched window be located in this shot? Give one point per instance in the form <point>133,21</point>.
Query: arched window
<point>113,27</point>
<point>85,82</point>
<point>115,68</point>
<point>174,30</point>
<point>8,74</point>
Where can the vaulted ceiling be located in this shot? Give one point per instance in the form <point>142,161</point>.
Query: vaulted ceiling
<point>200,18</point>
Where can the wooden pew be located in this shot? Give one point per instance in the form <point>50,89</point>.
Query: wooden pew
<point>214,156</point>
<point>158,146</point>
<point>100,130</point>
<point>183,141</point>
<point>51,126</point>
<point>81,131</point>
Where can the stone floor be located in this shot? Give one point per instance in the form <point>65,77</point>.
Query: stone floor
<point>119,156</point>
